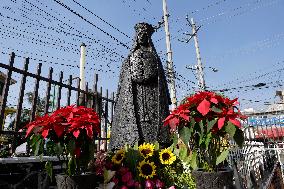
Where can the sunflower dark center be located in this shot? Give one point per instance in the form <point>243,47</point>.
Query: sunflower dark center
<point>146,169</point>
<point>145,151</point>
<point>118,157</point>
<point>166,156</point>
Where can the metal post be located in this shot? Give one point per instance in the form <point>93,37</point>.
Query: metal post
<point>82,72</point>
<point>199,68</point>
<point>82,66</point>
<point>169,55</point>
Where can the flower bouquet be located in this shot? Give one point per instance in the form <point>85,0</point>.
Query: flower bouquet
<point>144,166</point>
<point>206,123</point>
<point>67,133</point>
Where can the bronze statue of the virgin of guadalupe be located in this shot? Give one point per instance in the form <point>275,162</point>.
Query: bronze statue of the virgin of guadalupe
<point>142,101</point>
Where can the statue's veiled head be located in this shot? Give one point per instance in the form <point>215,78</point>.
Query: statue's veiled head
<point>144,32</point>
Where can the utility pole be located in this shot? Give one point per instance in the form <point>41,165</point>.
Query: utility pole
<point>170,69</point>
<point>199,67</point>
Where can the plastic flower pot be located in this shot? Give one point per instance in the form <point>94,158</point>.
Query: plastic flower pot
<point>222,179</point>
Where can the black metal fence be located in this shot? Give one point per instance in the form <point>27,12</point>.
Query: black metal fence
<point>90,97</point>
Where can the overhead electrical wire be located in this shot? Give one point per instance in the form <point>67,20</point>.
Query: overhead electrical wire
<point>208,6</point>
<point>222,15</point>
<point>100,18</point>
<point>83,18</point>
<point>61,31</point>
<point>241,80</point>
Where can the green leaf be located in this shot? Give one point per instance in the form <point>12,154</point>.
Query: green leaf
<point>239,137</point>
<point>201,139</point>
<point>185,134</point>
<point>91,151</point>
<point>208,140</point>
<point>183,153</point>
<point>201,127</point>
<point>210,124</point>
<point>50,148</point>
<point>193,162</point>
<point>187,160</point>
<point>157,145</point>
<point>49,169</point>
<point>131,158</point>
<point>222,156</point>
<point>217,110</point>
<point>39,146</point>
<point>70,147</point>
<point>58,149</point>
<point>71,166</point>
<point>192,122</point>
<point>135,147</point>
<point>231,129</point>
<point>175,139</point>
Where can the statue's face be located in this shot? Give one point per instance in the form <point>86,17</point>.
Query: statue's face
<point>142,38</point>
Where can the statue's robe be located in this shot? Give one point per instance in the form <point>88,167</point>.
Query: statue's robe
<point>142,101</point>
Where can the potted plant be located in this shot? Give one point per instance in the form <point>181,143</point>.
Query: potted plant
<point>207,123</point>
<point>144,166</point>
<point>67,133</point>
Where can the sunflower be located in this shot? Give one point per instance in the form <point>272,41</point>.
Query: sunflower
<point>118,157</point>
<point>167,157</point>
<point>147,169</point>
<point>146,149</point>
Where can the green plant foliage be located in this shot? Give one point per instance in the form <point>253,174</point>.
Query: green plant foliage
<point>176,176</point>
<point>49,169</point>
<point>71,166</point>
<point>222,157</point>
<point>230,128</point>
<point>211,121</point>
<point>239,137</point>
<point>185,134</point>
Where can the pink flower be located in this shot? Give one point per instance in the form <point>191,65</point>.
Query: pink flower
<point>127,177</point>
<point>159,184</point>
<point>130,183</point>
<point>172,187</point>
<point>137,185</point>
<point>124,187</point>
<point>115,180</point>
<point>149,184</point>
<point>123,170</point>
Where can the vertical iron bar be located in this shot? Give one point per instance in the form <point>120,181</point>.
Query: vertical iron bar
<point>48,88</point>
<point>69,90</point>
<point>35,94</point>
<point>95,93</point>
<point>106,120</point>
<point>112,108</point>
<point>100,107</point>
<point>21,95</point>
<point>6,90</point>
<point>78,92</point>
<point>86,95</point>
<point>59,90</point>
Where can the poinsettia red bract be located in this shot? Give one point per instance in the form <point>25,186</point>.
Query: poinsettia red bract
<point>205,105</point>
<point>66,120</point>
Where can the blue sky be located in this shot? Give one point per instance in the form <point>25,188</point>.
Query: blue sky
<point>243,39</point>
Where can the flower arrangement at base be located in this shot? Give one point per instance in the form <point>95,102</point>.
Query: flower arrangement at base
<point>67,133</point>
<point>144,166</point>
<point>206,123</point>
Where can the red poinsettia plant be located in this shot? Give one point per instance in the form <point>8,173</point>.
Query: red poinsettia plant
<point>67,133</point>
<point>207,123</point>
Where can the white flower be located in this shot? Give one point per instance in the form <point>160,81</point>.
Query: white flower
<point>106,186</point>
<point>108,174</point>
